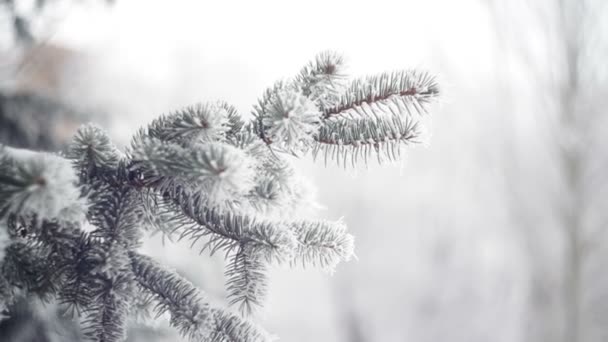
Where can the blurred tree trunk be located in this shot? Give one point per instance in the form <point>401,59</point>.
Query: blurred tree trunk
<point>349,317</point>
<point>571,160</point>
<point>567,81</point>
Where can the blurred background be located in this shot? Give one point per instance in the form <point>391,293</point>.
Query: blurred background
<point>493,230</point>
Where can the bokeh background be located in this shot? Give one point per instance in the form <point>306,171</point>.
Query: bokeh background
<point>494,229</point>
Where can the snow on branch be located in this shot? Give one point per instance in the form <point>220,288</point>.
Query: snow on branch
<point>71,224</point>
<point>323,79</point>
<point>38,183</point>
<point>190,313</point>
<point>317,110</point>
<point>91,150</point>
<point>197,123</point>
<point>403,91</point>
<point>290,120</point>
<point>228,231</point>
<point>220,171</point>
<point>361,138</point>
<point>247,281</point>
<point>322,243</point>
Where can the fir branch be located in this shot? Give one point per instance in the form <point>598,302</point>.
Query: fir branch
<point>70,255</point>
<point>107,320</point>
<point>111,266</point>
<point>278,191</point>
<point>116,214</point>
<point>229,231</point>
<point>327,66</point>
<point>221,172</point>
<point>322,80</point>
<point>246,281</point>
<point>322,243</point>
<point>197,123</point>
<point>267,194</point>
<point>403,91</point>
<point>26,269</point>
<point>156,217</point>
<point>60,238</point>
<point>291,120</point>
<point>260,110</point>
<point>56,240</point>
<point>204,174</point>
<point>111,284</point>
<point>92,151</point>
<point>359,138</point>
<point>235,121</point>
<point>287,118</point>
<point>249,142</point>
<point>277,188</point>
<point>91,269</point>
<point>77,292</point>
<point>38,183</point>
<point>157,160</point>
<point>190,313</point>
<point>232,328</point>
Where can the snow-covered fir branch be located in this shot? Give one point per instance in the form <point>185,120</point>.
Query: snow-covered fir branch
<point>71,224</point>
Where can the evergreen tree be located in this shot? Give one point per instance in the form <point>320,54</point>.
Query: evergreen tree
<point>72,223</point>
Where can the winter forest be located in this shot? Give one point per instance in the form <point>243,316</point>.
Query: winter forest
<point>332,170</point>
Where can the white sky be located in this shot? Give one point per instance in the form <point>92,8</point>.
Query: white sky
<point>179,52</point>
